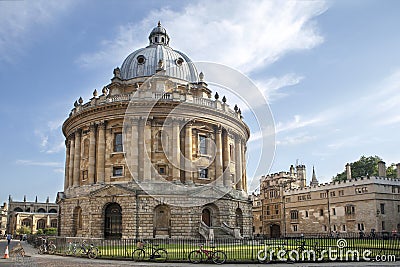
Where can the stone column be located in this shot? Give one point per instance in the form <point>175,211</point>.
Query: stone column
<point>238,162</point>
<point>226,160</point>
<point>92,153</point>
<point>176,151</point>
<point>244,177</point>
<point>141,149</point>
<point>71,162</point>
<point>218,156</point>
<point>133,149</point>
<point>147,151</point>
<point>67,151</point>
<point>188,152</point>
<point>77,158</point>
<point>101,151</point>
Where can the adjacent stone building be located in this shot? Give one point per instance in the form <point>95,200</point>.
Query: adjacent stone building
<point>154,155</point>
<point>3,219</point>
<point>34,215</point>
<point>363,204</point>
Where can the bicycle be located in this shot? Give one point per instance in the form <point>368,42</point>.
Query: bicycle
<point>72,248</point>
<point>89,250</point>
<point>18,251</point>
<point>217,256</point>
<point>156,254</point>
<point>47,247</point>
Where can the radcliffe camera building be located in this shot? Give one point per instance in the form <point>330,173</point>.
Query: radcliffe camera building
<point>369,204</point>
<point>121,171</point>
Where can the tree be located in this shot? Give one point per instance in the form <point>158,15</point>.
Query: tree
<point>363,167</point>
<point>24,230</point>
<point>391,171</point>
<point>50,231</point>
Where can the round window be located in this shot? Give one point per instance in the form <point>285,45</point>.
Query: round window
<point>179,61</point>
<point>140,59</point>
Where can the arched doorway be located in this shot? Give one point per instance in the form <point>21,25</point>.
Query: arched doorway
<point>239,219</point>
<point>113,221</point>
<point>275,230</point>
<point>206,217</point>
<point>162,221</point>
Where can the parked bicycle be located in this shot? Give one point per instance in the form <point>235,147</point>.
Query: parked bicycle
<point>47,247</point>
<point>201,254</point>
<point>152,253</point>
<point>89,250</point>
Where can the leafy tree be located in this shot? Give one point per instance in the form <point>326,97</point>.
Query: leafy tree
<point>391,171</point>
<point>50,231</point>
<point>39,232</point>
<point>24,230</point>
<point>362,167</point>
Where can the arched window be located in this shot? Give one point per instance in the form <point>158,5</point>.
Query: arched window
<point>41,224</point>
<point>53,223</point>
<point>161,221</point>
<point>77,220</point>
<point>41,210</point>
<point>18,210</point>
<point>86,148</point>
<point>206,217</point>
<point>53,211</point>
<point>26,222</point>
<point>239,219</point>
<point>113,221</point>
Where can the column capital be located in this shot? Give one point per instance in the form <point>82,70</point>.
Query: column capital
<point>102,125</point>
<point>92,127</point>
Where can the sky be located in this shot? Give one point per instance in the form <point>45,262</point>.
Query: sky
<point>330,71</point>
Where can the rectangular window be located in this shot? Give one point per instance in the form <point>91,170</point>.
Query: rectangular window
<point>325,228</point>
<point>268,211</point>
<point>294,215</point>
<point>202,144</point>
<point>350,209</point>
<point>323,195</point>
<point>118,171</point>
<point>118,142</point>
<point>344,228</point>
<point>162,169</point>
<point>332,193</point>
<point>276,209</point>
<point>360,227</point>
<point>306,215</point>
<point>383,226</point>
<point>382,208</point>
<point>295,228</point>
<point>84,175</point>
<point>203,173</point>
<point>341,192</point>
<point>333,211</point>
<point>321,212</point>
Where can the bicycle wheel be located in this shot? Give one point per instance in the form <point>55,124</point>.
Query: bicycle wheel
<point>160,255</point>
<point>219,257</point>
<point>51,249</point>
<point>264,256</point>
<point>195,256</point>
<point>93,253</point>
<point>41,249</point>
<point>138,254</point>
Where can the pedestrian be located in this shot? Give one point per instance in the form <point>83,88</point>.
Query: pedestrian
<point>8,239</point>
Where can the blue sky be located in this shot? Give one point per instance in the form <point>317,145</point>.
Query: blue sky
<point>329,69</point>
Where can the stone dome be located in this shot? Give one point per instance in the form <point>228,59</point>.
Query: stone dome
<point>158,56</point>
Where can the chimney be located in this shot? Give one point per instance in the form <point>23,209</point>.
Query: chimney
<point>291,170</point>
<point>381,169</point>
<point>398,170</point>
<point>348,171</point>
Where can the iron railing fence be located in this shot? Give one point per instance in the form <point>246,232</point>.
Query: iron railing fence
<point>244,250</point>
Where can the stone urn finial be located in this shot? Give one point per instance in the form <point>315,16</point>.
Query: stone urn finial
<point>80,100</point>
<point>224,99</point>
<point>201,76</point>
<point>216,95</point>
<point>95,93</point>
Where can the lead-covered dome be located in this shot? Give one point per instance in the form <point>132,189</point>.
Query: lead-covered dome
<point>158,56</point>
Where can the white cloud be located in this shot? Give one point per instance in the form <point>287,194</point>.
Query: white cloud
<point>50,138</point>
<point>246,35</point>
<point>297,122</point>
<point>38,163</point>
<point>272,87</point>
<point>295,140</point>
<point>20,22</point>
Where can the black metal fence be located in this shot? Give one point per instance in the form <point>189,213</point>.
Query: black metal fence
<point>361,247</point>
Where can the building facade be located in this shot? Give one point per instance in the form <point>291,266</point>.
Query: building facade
<point>147,157</point>
<point>364,204</point>
<point>3,219</point>
<point>257,215</point>
<point>34,215</point>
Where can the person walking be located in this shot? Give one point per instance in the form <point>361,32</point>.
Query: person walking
<point>8,239</point>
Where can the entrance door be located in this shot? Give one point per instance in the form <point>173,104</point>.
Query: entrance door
<point>206,217</point>
<point>275,231</point>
